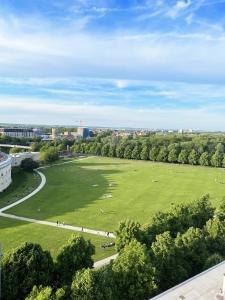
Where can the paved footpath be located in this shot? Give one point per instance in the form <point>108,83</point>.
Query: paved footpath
<point>59,225</point>
<point>105,261</point>
<point>97,264</point>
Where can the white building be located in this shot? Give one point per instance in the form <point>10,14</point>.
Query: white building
<point>5,171</point>
<point>18,157</point>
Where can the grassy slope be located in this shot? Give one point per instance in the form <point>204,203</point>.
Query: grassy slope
<point>139,189</point>
<point>13,233</point>
<point>22,184</point>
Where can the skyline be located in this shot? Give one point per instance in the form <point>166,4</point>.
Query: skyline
<point>158,64</point>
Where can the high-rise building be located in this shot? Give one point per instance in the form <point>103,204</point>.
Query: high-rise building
<point>83,132</point>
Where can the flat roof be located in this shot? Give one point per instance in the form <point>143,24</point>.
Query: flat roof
<point>203,286</point>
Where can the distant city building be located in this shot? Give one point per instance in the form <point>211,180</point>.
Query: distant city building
<point>54,133</point>
<point>17,132</point>
<point>83,132</point>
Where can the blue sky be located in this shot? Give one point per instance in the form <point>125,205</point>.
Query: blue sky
<point>149,63</point>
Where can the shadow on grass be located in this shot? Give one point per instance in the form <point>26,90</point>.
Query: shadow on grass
<point>69,188</point>
<point>23,183</point>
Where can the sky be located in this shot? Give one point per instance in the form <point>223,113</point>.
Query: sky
<point>121,63</point>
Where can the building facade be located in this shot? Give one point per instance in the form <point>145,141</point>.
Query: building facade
<point>5,171</point>
<point>18,132</point>
<point>83,132</point>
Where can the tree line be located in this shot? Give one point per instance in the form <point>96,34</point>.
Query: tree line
<point>195,149</point>
<point>153,257</point>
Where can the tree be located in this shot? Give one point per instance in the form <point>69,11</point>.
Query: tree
<point>183,157</point>
<point>91,284</point>
<point>213,260</point>
<point>105,150</point>
<point>45,293</point>
<point>28,164</point>
<point>193,158</point>
<point>172,157</point>
<point>163,154</point>
<point>204,159</point>
<point>26,266</point>
<point>134,275</point>
<point>136,152</point>
<point>126,232</point>
<point>144,153</point>
<point>15,150</point>
<point>112,151</point>
<point>75,255</point>
<point>153,153</point>
<point>119,151</point>
<point>49,155</point>
<point>169,261</point>
<point>128,152</point>
<point>217,159</point>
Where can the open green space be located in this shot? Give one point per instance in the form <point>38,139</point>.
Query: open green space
<point>23,183</point>
<point>97,193</point>
<point>13,233</point>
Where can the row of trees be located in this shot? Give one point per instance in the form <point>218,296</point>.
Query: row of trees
<point>194,150</point>
<point>181,243</point>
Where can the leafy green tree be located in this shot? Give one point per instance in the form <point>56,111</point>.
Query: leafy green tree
<point>220,148</point>
<point>112,151</point>
<point>145,153</point>
<point>168,261</point>
<point>28,164</point>
<point>105,150</point>
<point>213,260</point>
<point>75,255</point>
<point>183,157</point>
<point>49,155</point>
<point>217,159</point>
<point>128,152</point>
<point>215,230</point>
<point>26,266</point>
<point>153,153</point>
<point>193,158</point>
<point>91,284</point>
<point>134,275</point>
<point>194,248</point>
<point>45,293</point>
<point>172,157</point>
<point>126,232</point>
<point>136,152</point>
<point>119,151</point>
<point>204,159</point>
<point>163,154</point>
<point>15,150</point>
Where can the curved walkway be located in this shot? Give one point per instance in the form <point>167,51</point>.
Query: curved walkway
<point>41,185</point>
<point>54,224</point>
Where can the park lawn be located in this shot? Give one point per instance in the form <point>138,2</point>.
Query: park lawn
<point>23,183</point>
<point>74,192</point>
<point>13,233</point>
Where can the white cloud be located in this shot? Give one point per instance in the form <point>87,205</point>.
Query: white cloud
<point>180,6</point>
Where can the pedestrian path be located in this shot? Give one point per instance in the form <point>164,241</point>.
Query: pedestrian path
<point>41,185</point>
<point>105,261</point>
<point>59,225</point>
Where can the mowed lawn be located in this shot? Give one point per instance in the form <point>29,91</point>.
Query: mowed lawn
<point>13,233</point>
<point>97,193</point>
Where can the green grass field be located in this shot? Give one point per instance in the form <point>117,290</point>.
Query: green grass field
<point>22,184</point>
<point>74,193</point>
<point>97,193</point>
<point>13,233</point>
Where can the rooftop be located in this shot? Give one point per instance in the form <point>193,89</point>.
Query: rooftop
<point>204,286</point>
